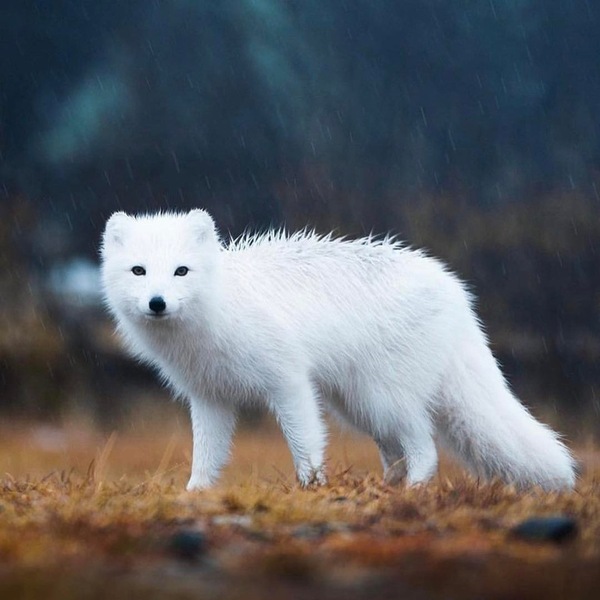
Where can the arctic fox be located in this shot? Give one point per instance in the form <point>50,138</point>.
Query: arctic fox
<point>380,335</point>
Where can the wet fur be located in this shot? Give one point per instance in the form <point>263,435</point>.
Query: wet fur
<point>381,335</point>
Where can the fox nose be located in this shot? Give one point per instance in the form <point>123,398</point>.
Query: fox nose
<point>157,304</point>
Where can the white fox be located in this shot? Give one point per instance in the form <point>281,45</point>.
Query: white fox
<point>380,335</point>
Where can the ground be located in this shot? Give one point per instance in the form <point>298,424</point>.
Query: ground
<point>93,514</point>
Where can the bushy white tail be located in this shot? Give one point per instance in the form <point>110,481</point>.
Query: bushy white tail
<point>482,421</point>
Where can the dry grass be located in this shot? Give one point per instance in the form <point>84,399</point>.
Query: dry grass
<point>91,515</point>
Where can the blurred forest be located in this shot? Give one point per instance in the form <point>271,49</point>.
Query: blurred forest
<point>468,127</point>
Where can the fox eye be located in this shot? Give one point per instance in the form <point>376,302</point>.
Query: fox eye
<point>137,270</point>
<point>181,271</point>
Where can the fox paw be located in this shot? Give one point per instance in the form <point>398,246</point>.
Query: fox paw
<point>313,478</point>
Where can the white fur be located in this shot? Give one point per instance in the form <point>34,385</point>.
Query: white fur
<point>380,335</point>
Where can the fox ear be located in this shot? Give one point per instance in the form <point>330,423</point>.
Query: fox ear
<point>202,225</point>
<point>115,228</point>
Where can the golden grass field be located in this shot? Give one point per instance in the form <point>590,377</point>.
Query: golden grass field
<point>90,514</point>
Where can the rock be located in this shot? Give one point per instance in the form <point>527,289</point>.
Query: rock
<point>188,544</point>
<point>546,529</point>
<point>311,531</point>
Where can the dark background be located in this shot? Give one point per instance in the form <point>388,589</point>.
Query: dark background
<point>468,127</point>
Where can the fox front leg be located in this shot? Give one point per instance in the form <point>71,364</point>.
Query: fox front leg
<point>212,429</point>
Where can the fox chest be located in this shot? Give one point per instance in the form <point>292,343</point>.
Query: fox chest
<point>228,378</point>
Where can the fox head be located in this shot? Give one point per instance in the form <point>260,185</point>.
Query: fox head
<point>154,266</point>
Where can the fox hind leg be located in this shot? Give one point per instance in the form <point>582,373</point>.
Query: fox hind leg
<point>393,461</point>
<point>411,458</point>
<point>421,458</point>
<point>401,426</point>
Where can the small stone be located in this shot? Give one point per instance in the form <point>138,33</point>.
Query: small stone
<point>546,529</point>
<point>188,544</point>
<point>243,521</point>
<point>311,531</point>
